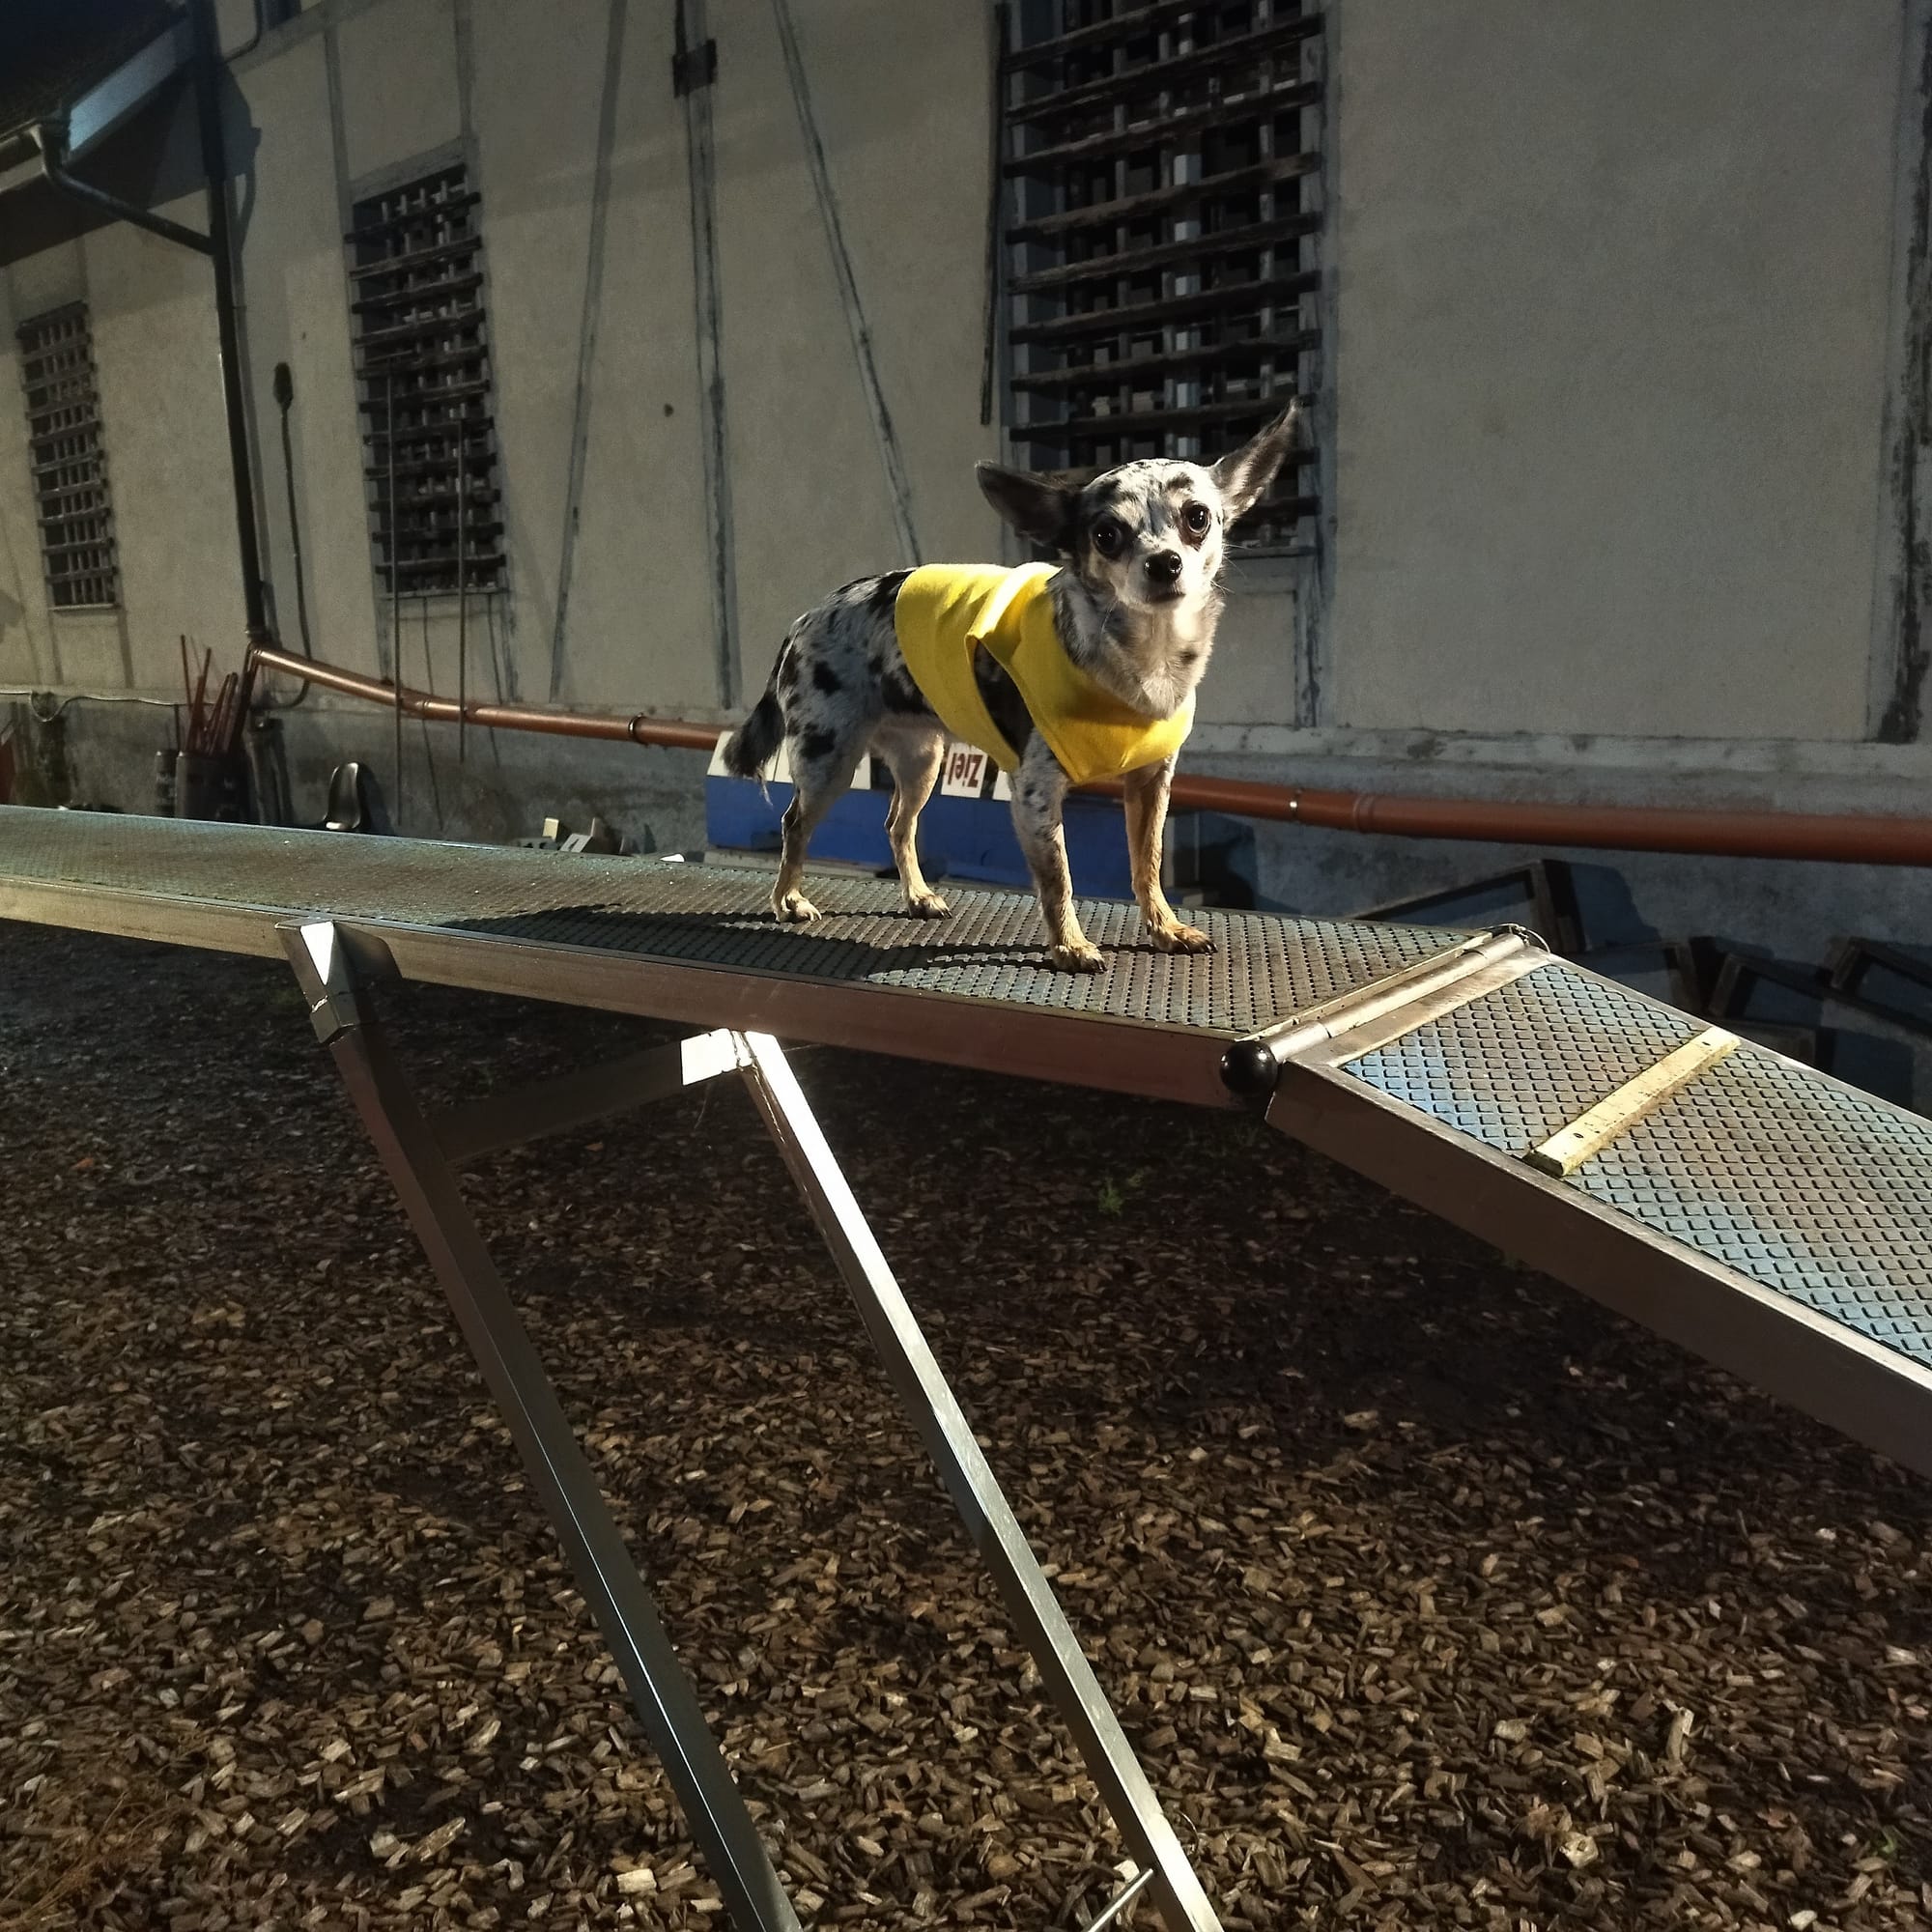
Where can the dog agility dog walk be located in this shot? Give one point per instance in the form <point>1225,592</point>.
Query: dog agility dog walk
<point>1062,674</point>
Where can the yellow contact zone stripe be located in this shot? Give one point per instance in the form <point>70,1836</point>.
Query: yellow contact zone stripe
<point>1590,1133</point>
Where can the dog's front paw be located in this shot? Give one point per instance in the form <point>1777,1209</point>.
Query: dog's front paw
<point>1178,938</point>
<point>927,905</point>
<point>795,908</point>
<point>1084,957</point>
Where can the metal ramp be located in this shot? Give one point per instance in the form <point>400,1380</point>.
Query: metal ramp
<point>695,943</point>
<point>1774,1220</point>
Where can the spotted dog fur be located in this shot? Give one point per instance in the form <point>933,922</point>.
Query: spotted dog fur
<point>1137,599</point>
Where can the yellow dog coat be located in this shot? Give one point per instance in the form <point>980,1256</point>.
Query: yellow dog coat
<point>946,612</point>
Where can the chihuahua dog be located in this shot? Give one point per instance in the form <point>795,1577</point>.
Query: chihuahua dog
<point>1133,607</point>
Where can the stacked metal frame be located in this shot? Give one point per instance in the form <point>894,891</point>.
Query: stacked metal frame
<point>1163,163</point>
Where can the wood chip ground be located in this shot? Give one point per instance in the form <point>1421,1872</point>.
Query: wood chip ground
<point>1433,1595</point>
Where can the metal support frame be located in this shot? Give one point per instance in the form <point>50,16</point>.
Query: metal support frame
<point>421,1152</point>
<point>975,1490</point>
<point>666,1700</point>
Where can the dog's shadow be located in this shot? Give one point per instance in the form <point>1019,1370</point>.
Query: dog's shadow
<point>882,947</point>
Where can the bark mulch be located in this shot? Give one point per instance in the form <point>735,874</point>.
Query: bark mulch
<point>1433,1595</point>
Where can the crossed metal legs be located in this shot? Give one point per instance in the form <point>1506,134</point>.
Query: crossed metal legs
<point>419,1154</point>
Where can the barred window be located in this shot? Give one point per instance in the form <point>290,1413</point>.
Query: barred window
<point>422,357</point>
<point>69,468</point>
<point>1160,277</point>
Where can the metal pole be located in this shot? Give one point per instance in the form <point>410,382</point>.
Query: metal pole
<point>899,490</point>
<point>284,395</point>
<point>1135,1887</point>
<point>975,1489</point>
<point>1826,839</point>
<point>462,585</point>
<point>208,107</point>
<point>666,1701</point>
<point>429,750</point>
<point>395,586</point>
<point>996,205</point>
<point>694,84</point>
<point>588,316</point>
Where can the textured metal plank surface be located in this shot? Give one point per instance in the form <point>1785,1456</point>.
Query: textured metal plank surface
<point>1810,1189</point>
<point>1515,1067</point>
<point>1264,968</point>
<point>1819,1192</point>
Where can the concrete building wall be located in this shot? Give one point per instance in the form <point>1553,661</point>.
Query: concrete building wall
<point>1617,322</point>
<point>1611,372</point>
<point>900,113</point>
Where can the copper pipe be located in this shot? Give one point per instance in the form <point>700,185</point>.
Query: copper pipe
<point>1732,835</point>
<point>637,730</point>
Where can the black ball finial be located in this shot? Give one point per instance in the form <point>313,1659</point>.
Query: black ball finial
<point>1248,1069</point>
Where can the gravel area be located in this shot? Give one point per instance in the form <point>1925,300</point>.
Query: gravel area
<point>1433,1595</point>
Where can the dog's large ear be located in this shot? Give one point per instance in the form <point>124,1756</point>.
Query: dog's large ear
<point>1243,478</point>
<point>1039,509</point>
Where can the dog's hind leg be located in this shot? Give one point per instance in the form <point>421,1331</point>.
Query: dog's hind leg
<point>822,764</point>
<point>913,754</point>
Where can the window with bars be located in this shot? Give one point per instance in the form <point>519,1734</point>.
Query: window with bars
<point>1162,159</point>
<point>69,465</point>
<point>423,362</point>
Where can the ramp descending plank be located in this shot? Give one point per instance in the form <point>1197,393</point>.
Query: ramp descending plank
<point>1774,1220</point>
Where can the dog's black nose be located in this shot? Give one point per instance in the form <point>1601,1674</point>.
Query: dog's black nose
<point>1163,566</point>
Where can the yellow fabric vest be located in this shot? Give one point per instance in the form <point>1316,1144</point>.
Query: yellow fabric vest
<point>946,612</point>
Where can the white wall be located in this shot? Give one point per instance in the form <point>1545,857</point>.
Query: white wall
<point>905,137</point>
<point>1611,365</point>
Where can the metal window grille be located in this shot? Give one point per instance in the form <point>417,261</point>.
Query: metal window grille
<point>1163,160</point>
<point>424,362</point>
<point>69,468</point>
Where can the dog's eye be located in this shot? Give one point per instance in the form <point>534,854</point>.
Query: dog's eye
<point>1107,535</point>
<point>1196,517</point>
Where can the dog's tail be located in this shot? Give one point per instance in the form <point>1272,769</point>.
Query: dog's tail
<point>749,750</point>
